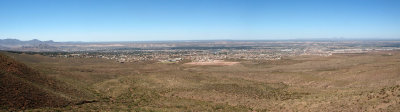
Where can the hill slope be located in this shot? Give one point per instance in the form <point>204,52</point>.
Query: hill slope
<point>22,87</point>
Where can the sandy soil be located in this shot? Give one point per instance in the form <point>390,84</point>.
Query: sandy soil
<point>215,62</point>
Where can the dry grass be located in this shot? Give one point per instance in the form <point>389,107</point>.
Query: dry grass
<point>215,62</point>
<point>342,82</point>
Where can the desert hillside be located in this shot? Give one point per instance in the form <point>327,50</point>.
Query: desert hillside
<point>22,87</point>
<point>341,82</point>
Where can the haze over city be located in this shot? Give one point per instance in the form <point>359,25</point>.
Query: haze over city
<point>139,20</point>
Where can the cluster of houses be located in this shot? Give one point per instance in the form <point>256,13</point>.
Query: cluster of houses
<point>174,56</point>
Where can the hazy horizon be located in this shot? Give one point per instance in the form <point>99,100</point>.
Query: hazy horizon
<point>295,39</point>
<point>168,20</point>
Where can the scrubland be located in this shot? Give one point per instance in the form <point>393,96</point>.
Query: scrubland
<point>341,82</point>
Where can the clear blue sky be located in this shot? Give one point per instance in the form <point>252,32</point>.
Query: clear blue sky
<point>136,20</point>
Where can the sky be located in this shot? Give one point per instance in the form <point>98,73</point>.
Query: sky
<point>146,20</point>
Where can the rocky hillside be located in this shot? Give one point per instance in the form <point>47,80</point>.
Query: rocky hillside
<point>22,87</point>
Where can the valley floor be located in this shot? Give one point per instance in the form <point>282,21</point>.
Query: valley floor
<point>341,82</point>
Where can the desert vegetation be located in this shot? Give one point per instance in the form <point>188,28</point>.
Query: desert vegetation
<point>341,82</point>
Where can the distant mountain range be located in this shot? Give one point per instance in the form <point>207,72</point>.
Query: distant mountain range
<point>36,45</point>
<point>19,42</point>
<point>33,45</point>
